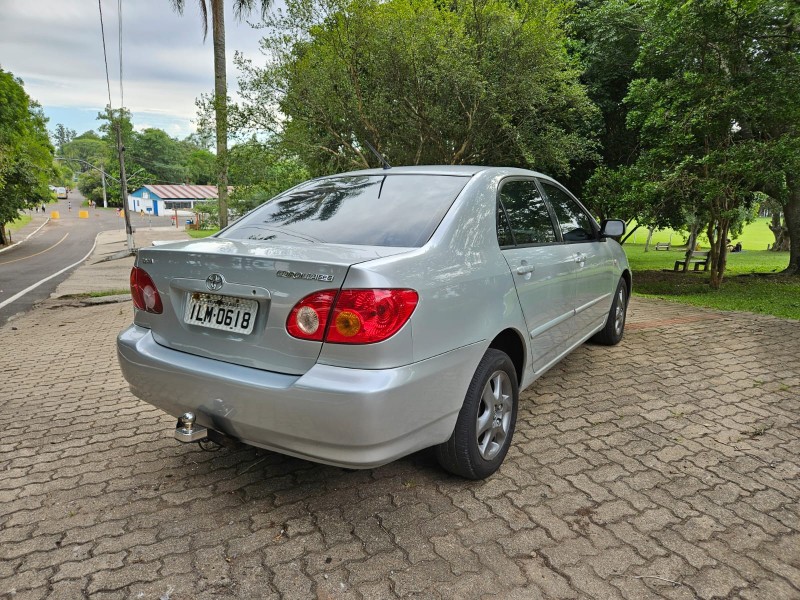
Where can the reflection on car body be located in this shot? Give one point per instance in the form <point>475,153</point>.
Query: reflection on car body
<point>386,311</point>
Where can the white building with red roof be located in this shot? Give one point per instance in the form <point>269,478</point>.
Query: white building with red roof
<point>166,199</point>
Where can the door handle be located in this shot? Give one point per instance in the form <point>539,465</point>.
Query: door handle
<point>524,269</point>
<point>580,258</point>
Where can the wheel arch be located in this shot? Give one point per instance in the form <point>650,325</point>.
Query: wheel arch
<point>510,342</point>
<point>626,275</point>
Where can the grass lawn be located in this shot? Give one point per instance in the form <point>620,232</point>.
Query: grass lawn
<point>201,233</point>
<point>19,223</point>
<point>751,282</point>
<point>755,236</point>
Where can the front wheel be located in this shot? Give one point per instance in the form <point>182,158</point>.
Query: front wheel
<point>486,422</point>
<point>612,333</point>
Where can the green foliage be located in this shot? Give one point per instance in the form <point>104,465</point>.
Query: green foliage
<point>604,36</point>
<point>259,172</point>
<point>63,136</point>
<point>472,82</point>
<point>26,156</point>
<point>199,164</point>
<point>160,154</point>
<point>707,73</point>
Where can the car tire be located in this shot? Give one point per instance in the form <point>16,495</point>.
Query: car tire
<point>612,333</point>
<point>486,422</point>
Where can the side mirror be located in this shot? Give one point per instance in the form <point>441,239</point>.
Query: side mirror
<point>613,228</point>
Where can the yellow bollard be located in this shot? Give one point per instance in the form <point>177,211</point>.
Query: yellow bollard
<point>83,214</point>
<point>54,215</point>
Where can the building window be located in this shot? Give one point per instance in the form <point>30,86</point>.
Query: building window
<point>145,195</point>
<point>177,205</point>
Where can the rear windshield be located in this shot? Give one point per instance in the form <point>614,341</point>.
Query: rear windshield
<point>365,210</point>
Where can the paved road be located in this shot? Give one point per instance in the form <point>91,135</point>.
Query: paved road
<point>57,245</point>
<point>665,467</point>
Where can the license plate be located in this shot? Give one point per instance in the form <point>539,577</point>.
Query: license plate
<point>221,312</point>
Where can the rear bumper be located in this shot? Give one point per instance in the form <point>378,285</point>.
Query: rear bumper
<point>354,418</point>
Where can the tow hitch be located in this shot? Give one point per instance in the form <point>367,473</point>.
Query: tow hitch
<point>185,430</point>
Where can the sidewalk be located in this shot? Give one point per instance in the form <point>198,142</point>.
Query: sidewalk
<point>103,273</point>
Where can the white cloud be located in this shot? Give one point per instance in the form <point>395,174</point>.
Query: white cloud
<point>55,47</point>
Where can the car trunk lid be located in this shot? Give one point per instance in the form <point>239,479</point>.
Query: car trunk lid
<point>252,278</point>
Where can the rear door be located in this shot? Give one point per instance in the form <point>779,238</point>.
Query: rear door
<point>543,271</point>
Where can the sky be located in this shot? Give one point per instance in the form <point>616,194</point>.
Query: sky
<point>55,47</point>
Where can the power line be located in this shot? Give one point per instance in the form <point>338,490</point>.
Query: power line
<point>105,55</point>
<point>119,19</point>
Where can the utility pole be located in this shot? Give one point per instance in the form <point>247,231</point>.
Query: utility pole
<point>124,185</point>
<point>105,199</point>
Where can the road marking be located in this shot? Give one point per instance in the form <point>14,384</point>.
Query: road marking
<point>26,238</point>
<point>19,295</point>
<point>8,262</point>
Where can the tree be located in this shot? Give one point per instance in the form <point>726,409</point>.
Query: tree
<point>709,73</point>
<point>26,156</point>
<point>604,37</point>
<point>199,166</point>
<point>424,82</point>
<point>63,136</point>
<point>261,171</point>
<point>87,147</point>
<point>160,154</point>
<point>217,9</point>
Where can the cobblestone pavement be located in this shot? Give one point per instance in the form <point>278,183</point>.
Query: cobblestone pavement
<point>666,467</point>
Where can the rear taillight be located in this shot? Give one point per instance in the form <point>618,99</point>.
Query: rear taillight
<point>144,293</point>
<point>357,317</point>
<point>309,316</point>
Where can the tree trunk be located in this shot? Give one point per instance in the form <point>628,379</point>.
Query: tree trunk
<point>791,212</point>
<point>649,237</point>
<point>718,236</point>
<point>5,237</point>
<point>220,107</point>
<point>690,246</point>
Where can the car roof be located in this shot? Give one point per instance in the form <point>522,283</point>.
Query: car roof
<point>452,170</point>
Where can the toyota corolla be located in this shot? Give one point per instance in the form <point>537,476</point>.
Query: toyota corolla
<point>360,317</point>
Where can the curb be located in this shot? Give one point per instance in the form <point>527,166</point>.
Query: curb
<point>19,295</point>
<point>26,237</point>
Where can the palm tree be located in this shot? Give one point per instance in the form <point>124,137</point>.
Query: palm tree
<point>241,8</point>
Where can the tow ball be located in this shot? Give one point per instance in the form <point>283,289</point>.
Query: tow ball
<point>185,430</point>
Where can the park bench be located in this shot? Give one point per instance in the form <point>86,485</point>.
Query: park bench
<point>696,258</point>
<point>662,246</point>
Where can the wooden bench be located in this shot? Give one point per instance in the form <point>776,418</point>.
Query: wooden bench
<point>696,258</point>
<point>662,246</point>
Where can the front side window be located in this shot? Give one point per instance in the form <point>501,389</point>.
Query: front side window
<point>374,210</point>
<point>576,225</point>
<point>528,217</point>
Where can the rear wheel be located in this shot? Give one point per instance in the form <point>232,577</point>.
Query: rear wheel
<point>486,422</point>
<point>612,333</point>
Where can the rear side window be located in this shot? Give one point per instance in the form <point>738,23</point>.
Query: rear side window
<point>367,210</point>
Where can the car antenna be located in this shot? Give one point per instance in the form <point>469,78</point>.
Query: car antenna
<point>378,155</point>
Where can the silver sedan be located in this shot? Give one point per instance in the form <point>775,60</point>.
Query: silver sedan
<point>360,317</point>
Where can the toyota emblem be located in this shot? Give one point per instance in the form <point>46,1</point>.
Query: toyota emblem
<point>214,282</point>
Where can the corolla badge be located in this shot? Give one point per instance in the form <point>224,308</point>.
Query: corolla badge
<point>298,275</point>
<point>214,282</point>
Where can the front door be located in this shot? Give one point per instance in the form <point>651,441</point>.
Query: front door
<point>593,263</point>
